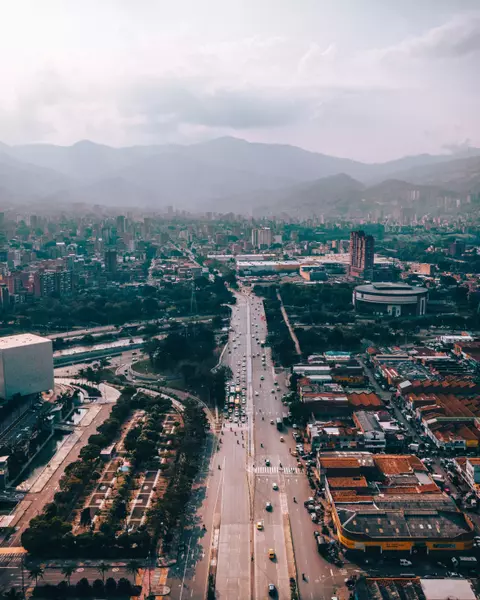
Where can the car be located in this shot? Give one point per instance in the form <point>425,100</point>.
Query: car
<point>272,590</point>
<point>256,393</point>
<point>262,378</point>
<point>405,563</point>
<point>272,422</point>
<point>267,462</point>
<point>235,420</point>
<point>260,525</point>
<point>275,487</point>
<point>282,439</point>
<point>271,553</point>
<point>268,506</point>
<point>273,391</point>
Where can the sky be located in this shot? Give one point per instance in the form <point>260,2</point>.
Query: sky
<point>371,80</point>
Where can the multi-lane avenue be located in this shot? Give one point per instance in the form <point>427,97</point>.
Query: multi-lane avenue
<point>258,468</point>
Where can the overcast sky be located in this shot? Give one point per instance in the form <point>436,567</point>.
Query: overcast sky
<point>365,79</point>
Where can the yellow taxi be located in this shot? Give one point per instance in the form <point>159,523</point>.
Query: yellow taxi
<point>271,554</point>
<point>260,525</point>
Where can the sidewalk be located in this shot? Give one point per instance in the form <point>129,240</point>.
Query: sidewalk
<point>290,328</point>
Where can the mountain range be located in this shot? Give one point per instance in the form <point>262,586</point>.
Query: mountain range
<point>227,174</point>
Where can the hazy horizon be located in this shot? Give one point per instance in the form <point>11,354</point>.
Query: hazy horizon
<point>453,151</point>
<point>363,80</point>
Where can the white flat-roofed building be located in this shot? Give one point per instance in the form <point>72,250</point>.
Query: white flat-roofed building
<point>392,299</point>
<point>26,365</point>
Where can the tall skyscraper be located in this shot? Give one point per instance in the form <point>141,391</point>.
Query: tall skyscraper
<point>262,237</point>
<point>111,261</point>
<point>121,225</point>
<point>362,250</point>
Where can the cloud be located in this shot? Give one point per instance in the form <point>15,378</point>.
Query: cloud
<point>460,37</point>
<point>167,103</point>
<point>332,80</point>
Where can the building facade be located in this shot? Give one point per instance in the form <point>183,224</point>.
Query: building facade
<point>262,237</point>
<point>362,250</point>
<point>26,365</point>
<point>390,299</point>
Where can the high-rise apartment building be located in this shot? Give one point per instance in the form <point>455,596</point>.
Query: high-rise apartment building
<point>362,250</point>
<point>48,282</point>
<point>121,224</point>
<point>457,248</point>
<point>111,261</point>
<point>261,237</point>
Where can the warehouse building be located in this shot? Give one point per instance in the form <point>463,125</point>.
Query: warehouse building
<point>390,299</point>
<point>26,365</point>
<point>389,503</point>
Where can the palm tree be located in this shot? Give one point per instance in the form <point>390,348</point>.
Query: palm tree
<point>102,568</point>
<point>13,594</point>
<point>36,572</point>
<point>68,571</point>
<point>133,568</point>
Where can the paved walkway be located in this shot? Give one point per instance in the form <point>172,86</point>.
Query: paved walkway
<point>287,323</point>
<point>109,393</point>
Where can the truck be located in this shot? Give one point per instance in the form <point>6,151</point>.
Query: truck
<point>279,424</point>
<point>438,478</point>
<point>465,563</point>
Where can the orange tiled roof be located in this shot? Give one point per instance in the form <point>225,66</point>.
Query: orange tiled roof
<point>347,482</point>
<point>339,463</point>
<point>363,399</point>
<point>392,464</point>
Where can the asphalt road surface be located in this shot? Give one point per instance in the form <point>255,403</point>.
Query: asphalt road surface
<point>248,482</point>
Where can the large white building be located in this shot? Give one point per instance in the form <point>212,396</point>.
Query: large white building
<point>261,237</point>
<point>26,365</point>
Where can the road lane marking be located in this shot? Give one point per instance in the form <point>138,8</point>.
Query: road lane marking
<point>185,569</point>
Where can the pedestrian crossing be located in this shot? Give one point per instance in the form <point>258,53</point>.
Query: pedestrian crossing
<point>10,558</point>
<point>273,470</point>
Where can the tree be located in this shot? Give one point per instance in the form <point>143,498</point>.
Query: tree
<point>133,568</point>
<point>98,588</point>
<point>110,587</point>
<point>85,517</point>
<point>124,587</point>
<point>82,588</point>
<point>103,568</point>
<point>68,571</point>
<point>150,347</point>
<point>35,572</point>
<point>13,594</point>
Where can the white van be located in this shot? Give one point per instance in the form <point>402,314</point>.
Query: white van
<point>405,563</point>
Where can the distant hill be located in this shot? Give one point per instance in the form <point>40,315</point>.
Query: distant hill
<point>459,175</point>
<point>222,174</point>
<point>346,197</point>
<point>336,192</point>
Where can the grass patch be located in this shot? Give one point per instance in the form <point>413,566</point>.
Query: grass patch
<point>144,367</point>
